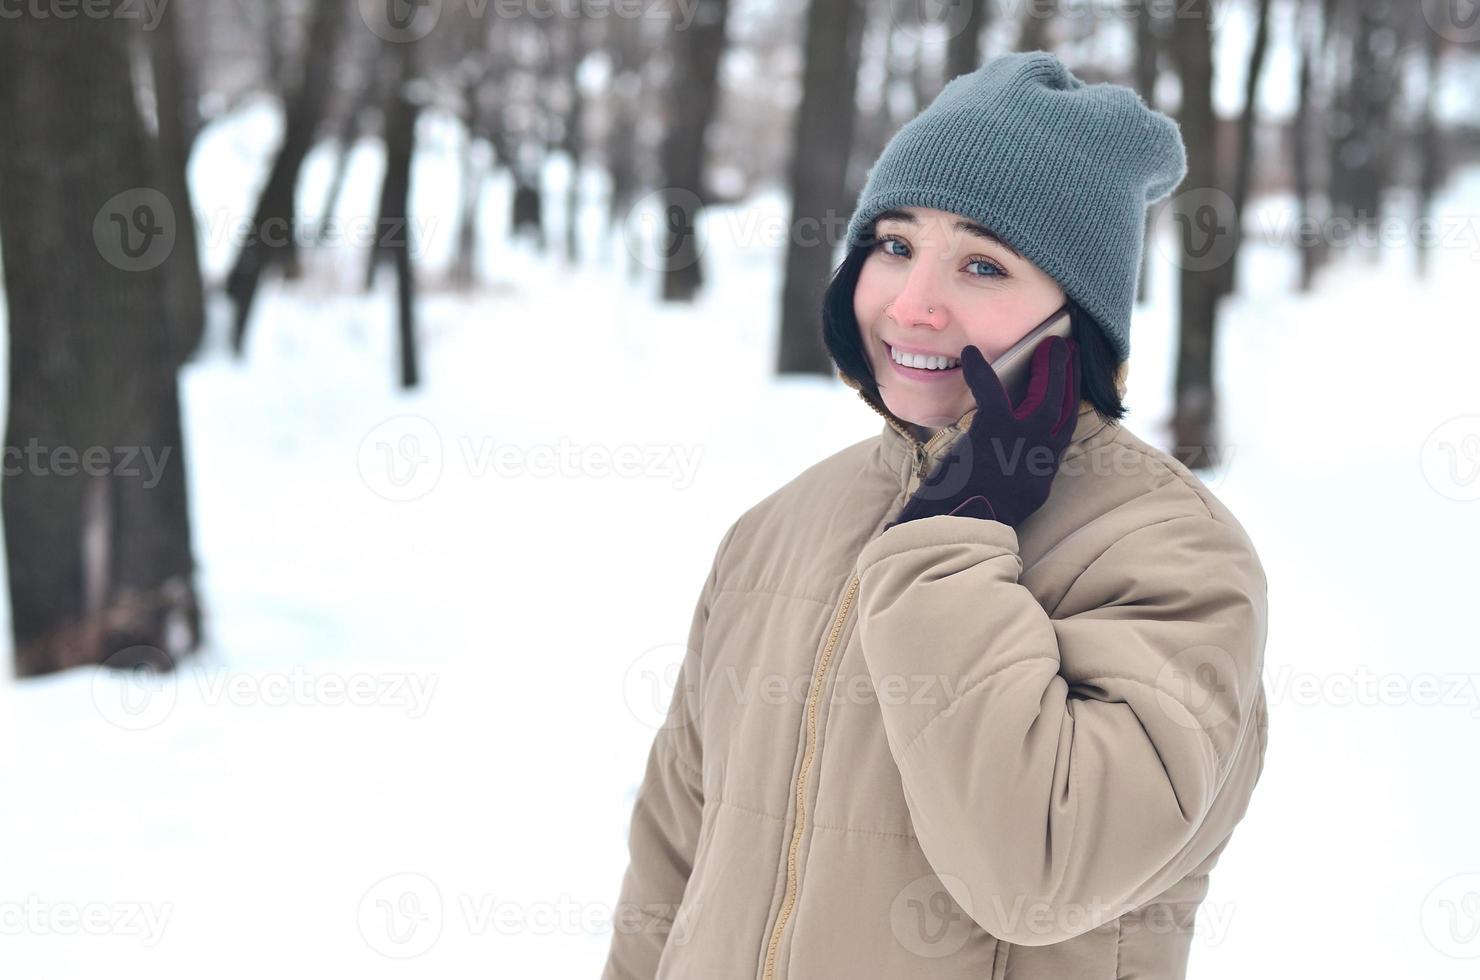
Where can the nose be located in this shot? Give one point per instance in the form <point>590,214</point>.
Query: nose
<point>916,303</point>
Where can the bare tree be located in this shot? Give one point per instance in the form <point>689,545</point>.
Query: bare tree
<point>393,226</point>
<point>351,125</point>
<point>1311,248</point>
<point>1243,174</point>
<point>1194,411</point>
<point>819,163</point>
<point>1036,32</point>
<point>97,531</point>
<point>898,98</point>
<point>693,92</point>
<point>1430,146</point>
<point>1149,46</point>
<point>572,49</point>
<point>965,21</point>
<point>271,238</point>
<point>1361,145</point>
<point>474,175</point>
<point>179,123</point>
<point>925,74</point>
<point>627,96</point>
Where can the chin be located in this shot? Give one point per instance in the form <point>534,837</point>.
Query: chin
<point>933,415</point>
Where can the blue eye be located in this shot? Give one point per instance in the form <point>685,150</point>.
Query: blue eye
<point>997,272</point>
<point>883,244</point>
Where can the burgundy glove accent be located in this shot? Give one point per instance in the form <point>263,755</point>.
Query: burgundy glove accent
<point>1007,458</point>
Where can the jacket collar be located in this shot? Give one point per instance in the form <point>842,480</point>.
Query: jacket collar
<point>905,455</point>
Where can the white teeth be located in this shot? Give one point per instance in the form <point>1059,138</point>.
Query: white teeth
<point>930,362</point>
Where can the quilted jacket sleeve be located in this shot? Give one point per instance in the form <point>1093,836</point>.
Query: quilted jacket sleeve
<point>664,829</point>
<point>1078,765</point>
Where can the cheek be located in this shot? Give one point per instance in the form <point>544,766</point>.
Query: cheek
<point>996,325</point>
<point>869,295</point>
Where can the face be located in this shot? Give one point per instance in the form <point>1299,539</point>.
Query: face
<point>934,284</point>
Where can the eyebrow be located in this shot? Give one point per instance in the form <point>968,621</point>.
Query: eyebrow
<point>970,227</point>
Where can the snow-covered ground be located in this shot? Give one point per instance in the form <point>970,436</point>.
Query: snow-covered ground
<point>412,744</point>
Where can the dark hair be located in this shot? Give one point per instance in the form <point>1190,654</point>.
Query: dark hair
<point>1098,364</point>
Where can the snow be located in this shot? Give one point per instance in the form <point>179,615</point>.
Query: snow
<point>412,742</point>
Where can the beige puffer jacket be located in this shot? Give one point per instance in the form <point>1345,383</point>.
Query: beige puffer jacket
<point>953,749</point>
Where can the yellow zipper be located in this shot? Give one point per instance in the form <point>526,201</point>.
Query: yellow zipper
<point>921,449</point>
<point>789,898</point>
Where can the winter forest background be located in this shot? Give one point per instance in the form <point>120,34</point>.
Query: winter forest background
<point>382,374</point>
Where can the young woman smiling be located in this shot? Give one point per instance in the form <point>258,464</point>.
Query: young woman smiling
<point>1018,648</point>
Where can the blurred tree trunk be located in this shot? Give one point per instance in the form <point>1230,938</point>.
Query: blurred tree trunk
<point>693,93</point>
<point>527,216</point>
<point>1194,412</point>
<point>1362,125</point>
<point>97,531</point>
<point>1148,60</point>
<point>1243,175</point>
<point>271,238</point>
<point>1037,25</point>
<point>179,124</point>
<point>873,129</point>
<point>1310,246</point>
<point>623,41</point>
<point>474,174</point>
<point>573,53</point>
<point>393,238</point>
<point>964,49</point>
<point>926,83</point>
<point>350,127</point>
<point>1430,149</point>
<point>823,135</point>
<point>271,16</point>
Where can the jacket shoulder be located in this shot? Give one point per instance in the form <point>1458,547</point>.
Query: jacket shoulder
<point>1135,484</point>
<point>819,487</point>
<point>833,504</point>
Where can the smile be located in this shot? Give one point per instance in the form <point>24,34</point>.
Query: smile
<point>922,365</point>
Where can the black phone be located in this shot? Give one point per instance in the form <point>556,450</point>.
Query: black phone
<point>1012,366</point>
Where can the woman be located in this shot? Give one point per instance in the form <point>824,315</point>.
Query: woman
<point>978,697</point>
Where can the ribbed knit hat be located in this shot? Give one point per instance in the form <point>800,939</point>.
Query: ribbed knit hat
<point>1060,170</point>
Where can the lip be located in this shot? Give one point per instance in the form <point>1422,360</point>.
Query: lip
<point>919,374</point>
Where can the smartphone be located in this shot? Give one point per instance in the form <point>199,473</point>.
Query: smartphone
<point>1012,366</point>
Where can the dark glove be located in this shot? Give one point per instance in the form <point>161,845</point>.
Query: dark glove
<point>1002,466</point>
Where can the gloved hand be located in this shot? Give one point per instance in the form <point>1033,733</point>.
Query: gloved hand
<point>1002,466</point>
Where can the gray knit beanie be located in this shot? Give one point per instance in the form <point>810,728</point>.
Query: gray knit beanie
<point>1060,170</point>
